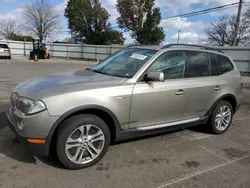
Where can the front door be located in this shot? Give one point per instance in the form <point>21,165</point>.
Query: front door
<point>155,103</point>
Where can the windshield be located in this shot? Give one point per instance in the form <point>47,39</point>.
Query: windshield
<point>124,63</point>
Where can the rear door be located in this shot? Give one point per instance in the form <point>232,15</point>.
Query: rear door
<point>200,83</point>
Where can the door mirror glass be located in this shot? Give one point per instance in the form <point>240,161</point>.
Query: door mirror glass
<point>155,76</point>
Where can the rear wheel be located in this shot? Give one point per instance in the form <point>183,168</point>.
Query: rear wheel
<point>221,118</point>
<point>82,141</point>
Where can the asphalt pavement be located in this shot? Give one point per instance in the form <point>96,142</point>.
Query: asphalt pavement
<point>185,158</point>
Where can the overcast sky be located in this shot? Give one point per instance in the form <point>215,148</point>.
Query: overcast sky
<point>191,28</point>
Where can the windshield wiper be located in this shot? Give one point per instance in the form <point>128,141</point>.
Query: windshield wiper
<point>100,72</point>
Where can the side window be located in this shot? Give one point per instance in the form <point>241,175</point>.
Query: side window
<point>214,65</point>
<point>172,64</point>
<point>197,65</point>
<point>225,64</point>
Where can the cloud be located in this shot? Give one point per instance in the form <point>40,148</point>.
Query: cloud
<point>191,31</point>
<point>61,7</point>
<point>188,37</point>
<point>110,6</point>
<point>183,23</point>
<point>7,1</point>
<point>16,14</point>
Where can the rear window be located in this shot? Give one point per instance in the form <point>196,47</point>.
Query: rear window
<point>4,46</point>
<point>225,64</point>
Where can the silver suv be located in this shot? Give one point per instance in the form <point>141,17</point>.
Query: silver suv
<point>138,91</point>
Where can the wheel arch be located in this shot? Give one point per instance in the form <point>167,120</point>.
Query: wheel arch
<point>104,113</point>
<point>227,97</point>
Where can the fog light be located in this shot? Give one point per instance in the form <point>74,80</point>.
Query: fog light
<point>20,125</point>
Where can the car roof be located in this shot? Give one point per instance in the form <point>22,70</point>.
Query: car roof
<point>189,47</point>
<point>192,46</point>
<point>180,47</point>
<point>150,47</point>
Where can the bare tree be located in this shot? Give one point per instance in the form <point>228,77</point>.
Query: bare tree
<point>221,33</point>
<point>41,19</point>
<point>8,28</point>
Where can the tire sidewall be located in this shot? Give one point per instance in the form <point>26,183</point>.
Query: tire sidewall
<point>212,121</point>
<point>71,125</point>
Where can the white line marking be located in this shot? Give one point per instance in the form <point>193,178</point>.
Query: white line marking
<point>196,136</point>
<point>202,172</point>
<point>201,137</point>
<point>2,155</point>
<point>212,152</point>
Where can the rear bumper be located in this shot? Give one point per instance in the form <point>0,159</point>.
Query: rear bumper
<point>5,54</point>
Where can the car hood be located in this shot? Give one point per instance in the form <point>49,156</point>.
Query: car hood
<point>56,84</point>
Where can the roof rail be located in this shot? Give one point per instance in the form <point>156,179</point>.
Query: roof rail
<point>130,45</point>
<point>193,45</point>
<point>142,45</point>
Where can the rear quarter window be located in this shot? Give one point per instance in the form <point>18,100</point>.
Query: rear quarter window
<point>225,64</point>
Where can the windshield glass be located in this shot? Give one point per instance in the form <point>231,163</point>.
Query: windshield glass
<point>124,63</point>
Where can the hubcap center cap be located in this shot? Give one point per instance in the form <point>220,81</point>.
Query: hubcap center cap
<point>85,143</point>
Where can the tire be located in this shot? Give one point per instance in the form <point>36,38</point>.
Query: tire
<point>216,118</point>
<point>70,130</point>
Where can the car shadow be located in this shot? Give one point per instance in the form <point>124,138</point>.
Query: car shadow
<point>204,128</point>
<point>9,148</point>
<point>16,150</point>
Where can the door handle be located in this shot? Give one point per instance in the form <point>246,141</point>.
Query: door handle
<point>217,88</point>
<point>180,92</point>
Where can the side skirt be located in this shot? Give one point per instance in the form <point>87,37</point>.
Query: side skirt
<point>158,129</point>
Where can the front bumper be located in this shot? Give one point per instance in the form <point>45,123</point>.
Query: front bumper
<point>31,127</point>
<point>33,149</point>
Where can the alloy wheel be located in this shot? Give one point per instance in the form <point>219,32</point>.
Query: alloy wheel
<point>223,118</point>
<point>85,144</point>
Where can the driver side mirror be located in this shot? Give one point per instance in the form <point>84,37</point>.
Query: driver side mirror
<point>155,76</point>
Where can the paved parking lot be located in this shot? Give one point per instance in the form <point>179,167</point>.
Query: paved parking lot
<point>186,158</point>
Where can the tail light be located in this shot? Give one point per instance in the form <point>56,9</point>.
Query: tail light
<point>6,50</point>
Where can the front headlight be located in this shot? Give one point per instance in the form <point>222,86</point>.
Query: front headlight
<point>29,107</point>
<point>13,99</point>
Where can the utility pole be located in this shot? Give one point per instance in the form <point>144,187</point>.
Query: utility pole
<point>178,39</point>
<point>237,26</point>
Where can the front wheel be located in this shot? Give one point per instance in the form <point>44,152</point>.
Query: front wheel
<point>82,141</point>
<point>221,118</point>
